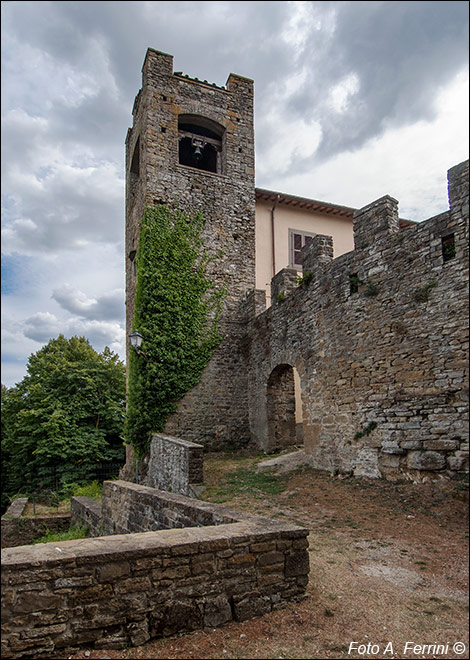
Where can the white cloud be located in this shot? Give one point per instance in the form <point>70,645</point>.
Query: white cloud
<point>341,94</point>
<point>43,326</point>
<point>352,100</point>
<point>109,305</point>
<point>63,206</point>
<point>409,163</point>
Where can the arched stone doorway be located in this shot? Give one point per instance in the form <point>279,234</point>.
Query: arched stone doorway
<point>281,408</point>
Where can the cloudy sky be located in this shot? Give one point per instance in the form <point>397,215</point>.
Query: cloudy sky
<point>353,100</point>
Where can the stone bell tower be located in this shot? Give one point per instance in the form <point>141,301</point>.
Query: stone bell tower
<point>191,147</point>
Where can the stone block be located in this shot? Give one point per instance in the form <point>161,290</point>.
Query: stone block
<point>35,602</point>
<point>297,563</point>
<point>426,460</point>
<point>283,283</point>
<point>217,611</point>
<point>441,444</point>
<point>316,254</point>
<point>179,616</point>
<point>392,447</point>
<point>459,462</point>
<point>411,444</point>
<point>389,460</point>
<point>268,558</point>
<point>250,605</point>
<point>375,220</point>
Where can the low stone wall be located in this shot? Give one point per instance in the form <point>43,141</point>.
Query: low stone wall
<point>16,508</point>
<point>113,591</point>
<point>86,511</point>
<point>20,530</point>
<point>128,508</point>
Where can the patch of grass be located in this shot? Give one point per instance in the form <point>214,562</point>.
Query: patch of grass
<point>74,532</point>
<point>93,490</point>
<point>246,480</point>
<point>35,508</point>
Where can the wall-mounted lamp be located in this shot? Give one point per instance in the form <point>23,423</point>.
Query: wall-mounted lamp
<point>136,339</point>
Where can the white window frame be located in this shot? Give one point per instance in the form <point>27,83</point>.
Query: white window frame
<point>304,235</point>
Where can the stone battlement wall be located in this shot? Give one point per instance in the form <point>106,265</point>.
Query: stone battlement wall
<point>379,337</point>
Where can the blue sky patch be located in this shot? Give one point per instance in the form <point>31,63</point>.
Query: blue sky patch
<point>15,274</point>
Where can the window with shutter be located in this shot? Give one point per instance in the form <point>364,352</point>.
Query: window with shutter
<point>297,241</point>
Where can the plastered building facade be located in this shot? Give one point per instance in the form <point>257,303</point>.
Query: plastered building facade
<point>375,334</point>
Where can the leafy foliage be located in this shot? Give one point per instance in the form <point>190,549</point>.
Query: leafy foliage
<point>93,490</point>
<point>177,308</point>
<point>67,411</point>
<point>421,294</point>
<point>74,532</point>
<point>305,279</point>
<point>367,430</point>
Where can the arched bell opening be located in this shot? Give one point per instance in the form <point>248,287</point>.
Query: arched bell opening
<point>200,143</point>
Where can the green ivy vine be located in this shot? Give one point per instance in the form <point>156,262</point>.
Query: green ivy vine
<point>177,308</point>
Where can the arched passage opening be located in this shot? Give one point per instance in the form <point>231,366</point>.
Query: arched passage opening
<point>284,411</point>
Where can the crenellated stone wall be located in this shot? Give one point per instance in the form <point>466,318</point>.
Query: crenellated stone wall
<point>379,337</point>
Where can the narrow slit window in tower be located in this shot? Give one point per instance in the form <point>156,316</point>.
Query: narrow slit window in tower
<point>448,247</point>
<point>134,172</point>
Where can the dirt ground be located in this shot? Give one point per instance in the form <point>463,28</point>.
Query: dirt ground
<point>44,511</point>
<point>388,570</point>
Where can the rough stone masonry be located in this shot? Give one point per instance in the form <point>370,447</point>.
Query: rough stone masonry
<point>378,336</point>
<point>215,412</point>
<point>203,566</point>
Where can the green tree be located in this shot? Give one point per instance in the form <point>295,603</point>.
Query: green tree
<point>177,307</point>
<point>66,414</point>
<point>5,462</point>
